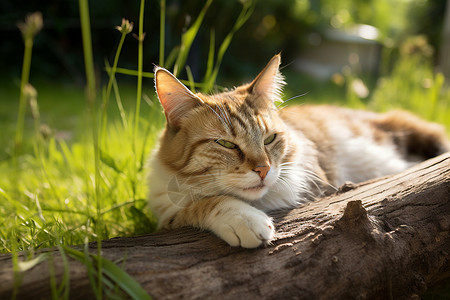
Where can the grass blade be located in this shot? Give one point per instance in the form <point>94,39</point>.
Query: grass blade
<point>210,61</point>
<point>190,79</point>
<point>123,280</point>
<point>109,161</point>
<point>113,273</point>
<point>126,71</point>
<point>130,72</point>
<point>245,14</point>
<point>122,113</point>
<point>172,57</point>
<point>29,264</point>
<point>65,284</point>
<point>188,38</point>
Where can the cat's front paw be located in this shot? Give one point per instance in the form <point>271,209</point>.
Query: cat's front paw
<point>247,229</point>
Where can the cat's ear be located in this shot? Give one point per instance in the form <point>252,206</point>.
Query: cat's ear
<point>269,82</point>
<point>175,97</point>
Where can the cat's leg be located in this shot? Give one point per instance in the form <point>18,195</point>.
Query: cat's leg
<point>234,221</point>
<point>240,224</point>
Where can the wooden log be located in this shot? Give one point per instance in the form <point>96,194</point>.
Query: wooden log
<point>388,238</point>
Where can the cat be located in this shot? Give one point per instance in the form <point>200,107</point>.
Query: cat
<point>226,159</point>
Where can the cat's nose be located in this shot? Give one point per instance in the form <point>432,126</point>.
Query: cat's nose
<point>262,171</point>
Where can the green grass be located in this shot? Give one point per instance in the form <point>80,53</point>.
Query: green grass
<point>52,202</point>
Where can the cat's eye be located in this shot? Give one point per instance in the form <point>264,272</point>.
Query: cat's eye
<point>270,139</point>
<point>226,144</point>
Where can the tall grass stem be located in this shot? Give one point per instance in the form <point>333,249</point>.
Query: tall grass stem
<point>90,78</point>
<point>107,95</point>
<point>32,25</point>
<point>22,100</point>
<point>162,32</point>
<point>141,36</point>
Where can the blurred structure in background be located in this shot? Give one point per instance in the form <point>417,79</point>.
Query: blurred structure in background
<point>329,53</point>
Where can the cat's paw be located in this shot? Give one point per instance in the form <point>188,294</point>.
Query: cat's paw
<point>248,229</point>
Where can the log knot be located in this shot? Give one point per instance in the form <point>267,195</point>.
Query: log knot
<point>356,221</point>
<point>347,186</point>
<point>354,212</point>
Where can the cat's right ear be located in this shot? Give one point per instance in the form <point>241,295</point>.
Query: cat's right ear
<point>175,97</point>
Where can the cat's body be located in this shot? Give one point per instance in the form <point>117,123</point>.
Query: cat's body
<point>226,159</point>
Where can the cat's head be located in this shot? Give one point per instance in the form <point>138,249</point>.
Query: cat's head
<point>229,143</point>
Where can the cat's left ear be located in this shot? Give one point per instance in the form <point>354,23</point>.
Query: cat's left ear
<point>269,82</point>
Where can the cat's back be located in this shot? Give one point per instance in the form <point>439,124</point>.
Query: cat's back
<point>308,117</point>
<point>357,145</point>
<point>337,133</point>
<point>327,125</point>
<point>406,131</point>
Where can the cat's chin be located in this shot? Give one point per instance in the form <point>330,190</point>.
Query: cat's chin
<point>257,191</point>
<point>254,192</point>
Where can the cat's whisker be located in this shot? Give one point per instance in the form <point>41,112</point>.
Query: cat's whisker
<point>292,98</point>
<point>288,186</point>
<point>290,168</point>
<point>318,178</point>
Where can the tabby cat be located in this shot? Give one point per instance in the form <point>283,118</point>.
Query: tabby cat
<point>224,160</point>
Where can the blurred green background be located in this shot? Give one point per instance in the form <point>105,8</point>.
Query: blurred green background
<point>290,26</point>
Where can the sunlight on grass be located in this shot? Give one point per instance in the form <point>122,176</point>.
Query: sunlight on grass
<point>52,203</point>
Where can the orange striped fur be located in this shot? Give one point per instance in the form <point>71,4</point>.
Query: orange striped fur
<point>224,160</point>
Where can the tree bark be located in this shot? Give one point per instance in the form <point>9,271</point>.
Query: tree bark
<point>388,238</point>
